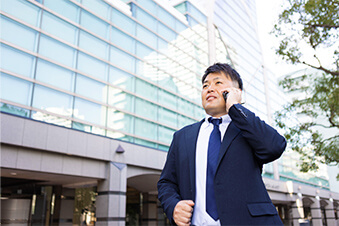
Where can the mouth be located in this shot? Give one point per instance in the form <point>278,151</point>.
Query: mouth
<point>210,98</point>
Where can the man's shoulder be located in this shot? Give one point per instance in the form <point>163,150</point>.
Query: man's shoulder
<point>189,127</point>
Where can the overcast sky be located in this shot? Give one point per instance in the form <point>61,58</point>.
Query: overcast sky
<point>267,13</point>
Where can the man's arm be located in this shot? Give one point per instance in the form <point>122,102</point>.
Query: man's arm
<point>267,143</point>
<point>177,210</point>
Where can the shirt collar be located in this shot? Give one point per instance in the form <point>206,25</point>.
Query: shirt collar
<point>225,119</point>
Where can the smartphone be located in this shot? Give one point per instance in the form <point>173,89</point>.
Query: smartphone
<point>225,94</point>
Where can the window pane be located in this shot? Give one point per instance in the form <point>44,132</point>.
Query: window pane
<point>146,19</point>
<point>145,129</point>
<point>144,52</point>
<point>91,88</point>
<point>99,7</point>
<point>122,40</point>
<point>166,17</point>
<point>120,121</point>
<point>165,134</point>
<point>13,32</point>
<point>37,115</point>
<point>121,78</point>
<point>90,65</point>
<point>146,109</point>
<point>89,111</point>
<point>15,89</point>
<point>145,89</point>
<point>57,51</point>
<point>52,100</point>
<point>167,99</point>
<point>122,59</point>
<point>94,24</point>
<point>145,143</point>
<point>148,4</point>
<point>59,28</point>
<point>54,75</point>
<point>64,8</point>
<point>93,45</point>
<point>22,10</point>
<point>14,110</point>
<point>122,21</point>
<point>121,100</point>
<point>11,58</point>
<point>147,36</point>
<point>166,33</point>
<point>168,117</point>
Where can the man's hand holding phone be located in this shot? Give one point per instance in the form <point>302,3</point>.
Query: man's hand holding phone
<point>232,96</point>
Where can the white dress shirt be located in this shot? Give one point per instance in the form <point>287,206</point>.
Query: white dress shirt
<point>200,216</point>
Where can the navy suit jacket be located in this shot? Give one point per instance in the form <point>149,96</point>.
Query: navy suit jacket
<point>241,196</point>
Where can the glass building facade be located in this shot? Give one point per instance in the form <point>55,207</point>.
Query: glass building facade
<point>131,74</point>
<point>127,73</point>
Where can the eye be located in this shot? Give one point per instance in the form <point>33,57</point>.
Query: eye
<point>218,82</point>
<point>204,86</point>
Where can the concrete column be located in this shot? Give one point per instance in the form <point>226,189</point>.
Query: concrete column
<point>149,210</point>
<point>297,210</point>
<point>111,199</point>
<point>330,217</point>
<point>316,212</point>
<point>67,207</point>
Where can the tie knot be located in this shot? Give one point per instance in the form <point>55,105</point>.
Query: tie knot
<point>215,121</point>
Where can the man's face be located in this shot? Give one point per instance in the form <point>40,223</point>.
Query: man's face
<point>212,100</point>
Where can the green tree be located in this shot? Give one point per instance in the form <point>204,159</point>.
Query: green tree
<point>307,31</point>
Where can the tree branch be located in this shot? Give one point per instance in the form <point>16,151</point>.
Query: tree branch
<point>334,73</point>
<point>323,25</point>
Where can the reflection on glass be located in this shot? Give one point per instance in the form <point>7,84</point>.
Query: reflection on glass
<point>89,111</point>
<point>54,75</point>
<point>145,143</point>
<point>119,136</point>
<point>58,27</point>
<point>57,51</point>
<point>146,109</point>
<point>145,89</point>
<point>22,10</point>
<point>98,90</point>
<point>13,32</point>
<point>10,58</point>
<point>15,89</point>
<point>121,100</point>
<point>51,119</point>
<point>167,117</point>
<point>94,24</point>
<point>64,8</point>
<point>14,110</point>
<point>145,129</point>
<point>121,78</point>
<point>122,59</point>
<point>93,45</point>
<point>165,134</point>
<point>120,121</point>
<point>52,101</point>
<point>92,66</point>
<point>122,40</point>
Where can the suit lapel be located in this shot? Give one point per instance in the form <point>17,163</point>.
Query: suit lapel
<point>231,132</point>
<point>191,138</point>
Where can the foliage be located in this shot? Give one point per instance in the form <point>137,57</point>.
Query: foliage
<point>308,35</point>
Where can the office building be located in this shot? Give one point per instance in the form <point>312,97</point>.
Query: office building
<point>92,91</point>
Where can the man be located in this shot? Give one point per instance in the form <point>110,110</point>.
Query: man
<point>212,175</point>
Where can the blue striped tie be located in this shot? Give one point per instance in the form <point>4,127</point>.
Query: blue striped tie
<point>212,160</point>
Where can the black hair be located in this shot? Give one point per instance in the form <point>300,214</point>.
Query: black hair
<point>227,70</point>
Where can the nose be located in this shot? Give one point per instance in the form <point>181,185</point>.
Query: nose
<point>210,88</point>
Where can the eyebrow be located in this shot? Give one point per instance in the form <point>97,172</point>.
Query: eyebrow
<point>216,78</point>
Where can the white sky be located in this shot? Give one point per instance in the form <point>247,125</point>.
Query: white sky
<point>267,13</point>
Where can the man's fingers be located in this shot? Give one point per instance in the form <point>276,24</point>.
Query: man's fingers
<point>183,212</point>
